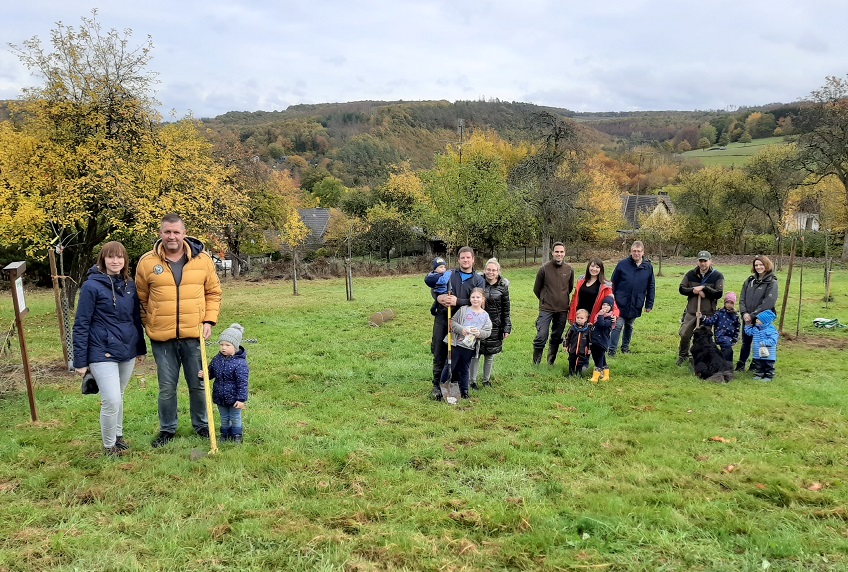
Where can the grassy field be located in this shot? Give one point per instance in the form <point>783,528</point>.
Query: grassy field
<point>348,466</point>
<point>736,154</point>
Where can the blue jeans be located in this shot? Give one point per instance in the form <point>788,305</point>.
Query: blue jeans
<point>112,379</point>
<point>169,357</point>
<point>230,417</point>
<point>627,325</point>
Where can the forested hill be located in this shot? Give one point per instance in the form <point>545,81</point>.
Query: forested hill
<point>389,132</point>
<point>393,130</point>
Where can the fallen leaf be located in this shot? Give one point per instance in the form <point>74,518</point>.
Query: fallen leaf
<point>761,486</point>
<point>606,445</point>
<point>729,469</point>
<point>816,487</point>
<point>721,439</point>
<point>562,407</point>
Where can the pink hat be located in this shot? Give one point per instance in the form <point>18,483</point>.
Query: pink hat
<point>730,297</point>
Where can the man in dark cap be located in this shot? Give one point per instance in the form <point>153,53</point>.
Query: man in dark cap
<point>703,287</point>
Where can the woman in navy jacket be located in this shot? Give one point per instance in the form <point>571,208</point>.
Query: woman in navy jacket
<point>108,338</point>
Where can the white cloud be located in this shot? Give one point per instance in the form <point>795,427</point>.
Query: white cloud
<point>217,56</point>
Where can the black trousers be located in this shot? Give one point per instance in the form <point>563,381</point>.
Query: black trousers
<point>438,346</point>
<point>599,355</point>
<point>577,364</point>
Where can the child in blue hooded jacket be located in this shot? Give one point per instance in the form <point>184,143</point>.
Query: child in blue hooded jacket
<point>764,345</point>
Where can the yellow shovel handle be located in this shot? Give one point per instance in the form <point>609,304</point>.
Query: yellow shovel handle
<point>207,389</point>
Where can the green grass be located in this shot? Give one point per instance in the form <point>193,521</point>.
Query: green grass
<point>736,154</point>
<point>348,466</point>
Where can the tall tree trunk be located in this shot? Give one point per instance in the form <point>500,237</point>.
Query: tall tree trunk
<point>845,247</point>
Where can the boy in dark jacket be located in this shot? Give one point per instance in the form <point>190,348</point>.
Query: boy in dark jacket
<point>230,371</point>
<point>577,342</point>
<point>726,324</point>
<point>601,339</point>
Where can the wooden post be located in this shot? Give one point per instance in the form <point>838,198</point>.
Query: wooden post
<point>786,288</point>
<point>15,271</point>
<point>62,333</point>
<point>294,271</point>
<point>801,286</point>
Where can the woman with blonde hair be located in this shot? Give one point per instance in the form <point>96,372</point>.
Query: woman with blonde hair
<point>496,290</point>
<point>759,293</point>
<point>108,338</point>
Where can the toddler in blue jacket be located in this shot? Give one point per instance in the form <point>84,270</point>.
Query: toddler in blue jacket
<point>230,371</point>
<point>764,345</point>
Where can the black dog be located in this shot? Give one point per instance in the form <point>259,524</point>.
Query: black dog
<point>707,359</point>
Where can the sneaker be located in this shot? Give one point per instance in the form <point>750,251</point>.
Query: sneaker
<point>437,394</point>
<point>163,439</point>
<point>611,353</point>
<point>464,395</point>
<point>203,432</point>
<point>740,366</point>
<point>237,438</point>
<point>625,351</point>
<point>768,378</point>
<point>121,444</point>
<point>474,385</point>
<point>758,377</point>
<point>487,384</point>
<point>681,360</point>
<point>112,451</point>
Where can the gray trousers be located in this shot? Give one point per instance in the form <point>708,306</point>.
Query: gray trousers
<point>553,322</point>
<point>112,379</point>
<point>169,357</point>
<point>488,362</point>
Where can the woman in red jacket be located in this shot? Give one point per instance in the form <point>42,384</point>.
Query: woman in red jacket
<point>592,288</point>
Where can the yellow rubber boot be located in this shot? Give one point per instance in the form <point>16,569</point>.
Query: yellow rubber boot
<point>596,376</point>
<point>606,374</point>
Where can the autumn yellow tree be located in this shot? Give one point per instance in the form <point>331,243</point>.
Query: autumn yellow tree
<point>85,157</point>
<point>294,234</point>
<point>601,205</point>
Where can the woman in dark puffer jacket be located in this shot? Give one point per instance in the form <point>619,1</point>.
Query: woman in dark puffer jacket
<point>759,293</point>
<point>498,308</point>
<point>108,339</point>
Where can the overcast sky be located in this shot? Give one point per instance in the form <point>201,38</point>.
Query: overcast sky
<point>216,56</point>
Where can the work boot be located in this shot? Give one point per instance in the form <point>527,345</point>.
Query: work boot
<point>537,355</point>
<point>112,451</point>
<point>552,353</point>
<point>163,439</point>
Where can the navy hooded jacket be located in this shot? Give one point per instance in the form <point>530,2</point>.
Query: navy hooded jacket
<point>231,374</point>
<point>107,326</point>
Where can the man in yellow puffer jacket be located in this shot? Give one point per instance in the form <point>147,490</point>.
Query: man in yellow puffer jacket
<point>178,289</point>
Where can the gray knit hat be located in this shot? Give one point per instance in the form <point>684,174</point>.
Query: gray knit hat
<point>232,335</point>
